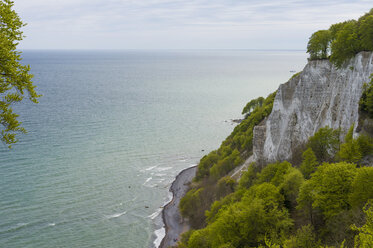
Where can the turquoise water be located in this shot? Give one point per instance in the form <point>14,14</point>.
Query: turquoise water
<point>111,132</point>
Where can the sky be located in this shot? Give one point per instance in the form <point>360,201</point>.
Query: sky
<point>180,24</point>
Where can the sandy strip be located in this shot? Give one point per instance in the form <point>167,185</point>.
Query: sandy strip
<point>171,216</point>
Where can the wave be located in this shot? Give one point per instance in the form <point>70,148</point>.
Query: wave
<point>159,234</point>
<point>16,227</point>
<point>155,214</point>
<point>116,215</point>
<point>147,180</point>
<point>150,168</point>
<point>164,168</point>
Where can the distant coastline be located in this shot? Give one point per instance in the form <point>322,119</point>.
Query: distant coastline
<point>174,224</point>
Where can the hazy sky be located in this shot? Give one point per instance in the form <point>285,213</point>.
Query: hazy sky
<point>185,24</point>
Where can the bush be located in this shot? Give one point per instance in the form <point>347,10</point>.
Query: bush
<point>366,100</point>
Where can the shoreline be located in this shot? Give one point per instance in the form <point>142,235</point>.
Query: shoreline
<point>173,223</point>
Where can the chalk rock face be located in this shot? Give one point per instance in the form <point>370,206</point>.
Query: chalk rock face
<point>321,95</point>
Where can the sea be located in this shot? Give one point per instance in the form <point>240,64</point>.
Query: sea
<point>111,132</point>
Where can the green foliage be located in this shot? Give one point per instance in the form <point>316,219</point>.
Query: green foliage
<point>225,165</point>
<point>346,44</point>
<point>220,205</point>
<point>366,100</point>
<point>218,164</point>
<point>362,187</point>
<point>295,75</point>
<point>318,44</point>
<point>309,163</point>
<point>330,187</point>
<point>366,31</point>
<point>290,187</point>
<point>245,224</point>
<point>304,238</point>
<point>253,104</point>
<point>305,199</point>
<point>274,173</point>
<point>267,192</point>
<point>325,144</point>
<point>353,150</point>
<point>199,239</point>
<point>190,202</point>
<point>235,148</point>
<point>248,177</point>
<point>206,162</point>
<point>364,239</point>
<point>344,40</point>
<point>184,239</point>
<point>365,144</point>
<point>225,186</point>
<point>15,80</point>
<point>350,150</point>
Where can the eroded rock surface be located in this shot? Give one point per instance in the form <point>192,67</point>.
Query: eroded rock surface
<point>321,95</point>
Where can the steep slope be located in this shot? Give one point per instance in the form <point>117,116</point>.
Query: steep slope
<point>321,95</point>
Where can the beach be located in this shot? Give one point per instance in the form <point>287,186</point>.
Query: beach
<point>174,224</point>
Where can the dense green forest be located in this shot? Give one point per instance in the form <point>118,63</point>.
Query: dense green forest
<point>324,200</point>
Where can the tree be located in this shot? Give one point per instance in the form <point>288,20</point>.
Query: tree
<point>318,45</point>
<point>346,44</point>
<point>331,187</point>
<point>366,32</point>
<point>290,187</point>
<point>304,238</point>
<point>252,105</point>
<point>309,163</point>
<point>350,150</point>
<point>325,143</point>
<point>364,239</point>
<point>362,187</point>
<point>15,79</point>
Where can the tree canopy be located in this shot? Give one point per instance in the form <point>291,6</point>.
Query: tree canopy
<point>15,79</point>
<point>318,44</point>
<point>342,40</point>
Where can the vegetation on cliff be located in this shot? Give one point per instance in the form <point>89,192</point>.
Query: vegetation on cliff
<point>326,200</point>
<point>343,40</point>
<point>366,101</point>
<point>211,182</point>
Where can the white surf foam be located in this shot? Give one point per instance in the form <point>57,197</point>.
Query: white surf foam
<point>150,168</point>
<point>116,215</point>
<point>155,214</point>
<point>160,233</point>
<point>147,180</point>
<point>164,168</point>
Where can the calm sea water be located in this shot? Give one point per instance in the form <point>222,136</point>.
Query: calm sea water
<point>111,132</point>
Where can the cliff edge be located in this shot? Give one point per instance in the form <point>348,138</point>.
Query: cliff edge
<point>321,95</point>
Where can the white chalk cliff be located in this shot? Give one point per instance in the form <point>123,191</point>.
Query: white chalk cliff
<point>321,95</point>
